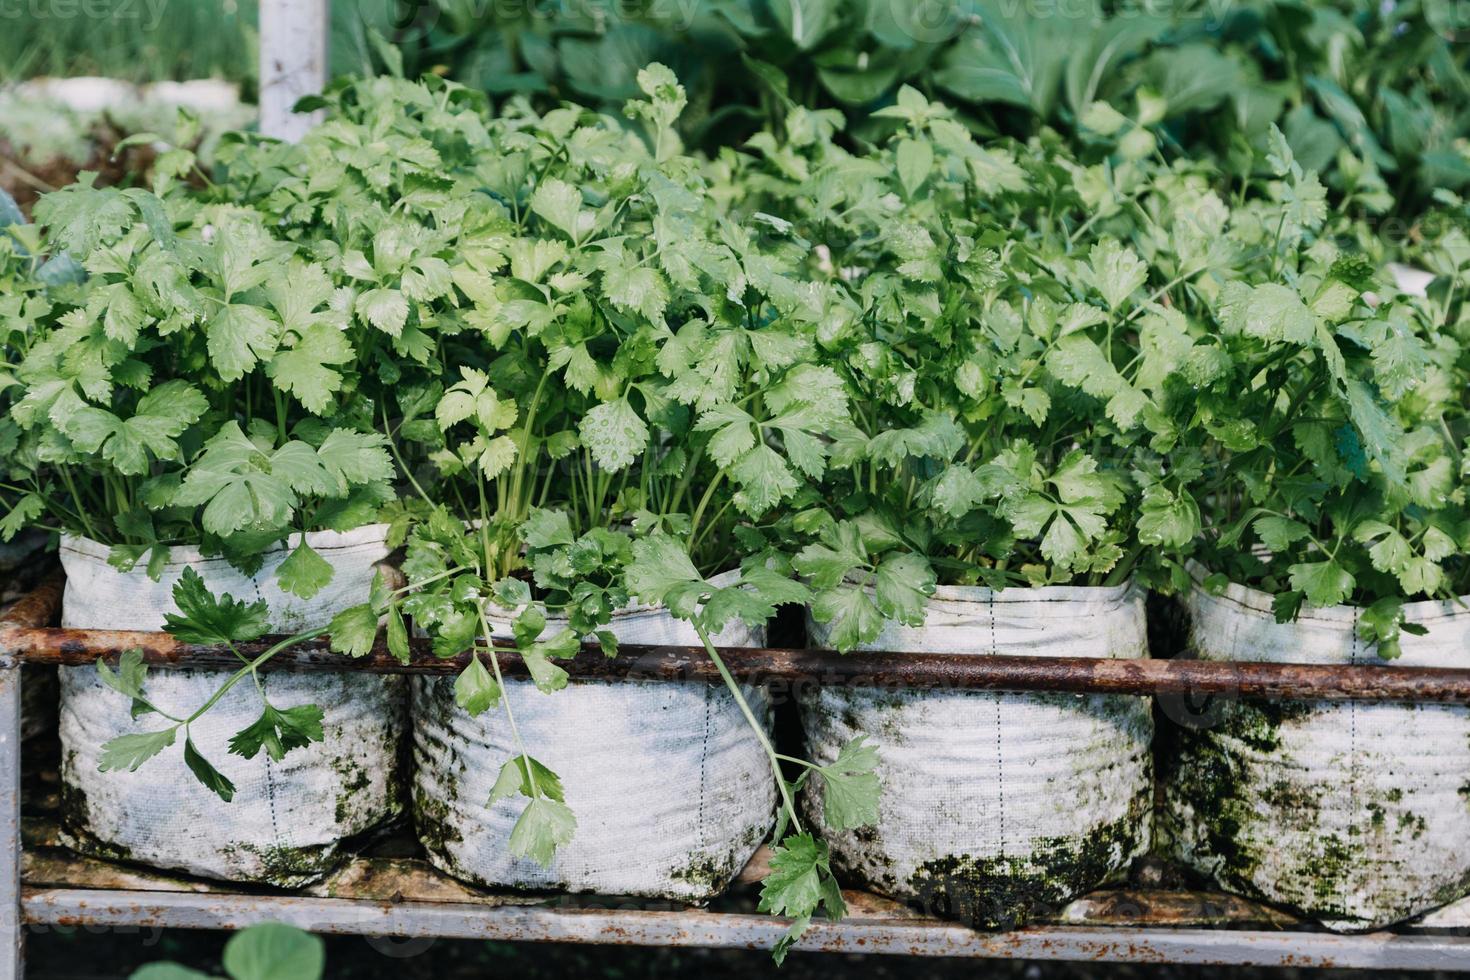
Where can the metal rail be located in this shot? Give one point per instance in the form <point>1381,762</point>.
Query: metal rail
<point>25,636</point>
<point>692,927</point>
<point>12,935</point>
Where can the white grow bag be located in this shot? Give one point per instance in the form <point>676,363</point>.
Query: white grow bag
<point>288,818</point>
<point>997,806</point>
<point>1354,814</point>
<point>670,787</point>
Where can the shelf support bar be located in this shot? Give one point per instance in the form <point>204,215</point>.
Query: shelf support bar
<point>12,930</point>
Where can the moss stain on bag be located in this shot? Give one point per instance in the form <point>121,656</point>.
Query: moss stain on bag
<point>1003,892</point>
<point>1205,779</point>
<point>1346,813</point>
<point>283,866</point>
<point>432,820</point>
<point>997,805</point>
<point>75,817</point>
<point>712,873</point>
<point>352,780</point>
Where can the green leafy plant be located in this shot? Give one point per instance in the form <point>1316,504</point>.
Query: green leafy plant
<point>1074,371</point>
<point>24,303</point>
<point>744,62</point>
<point>206,619</point>
<point>162,400</point>
<point>1334,429</point>
<point>631,387</point>
<point>1010,413</point>
<point>181,371</point>
<point>1364,92</point>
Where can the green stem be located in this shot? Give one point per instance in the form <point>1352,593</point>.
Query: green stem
<point>519,511</point>
<point>71,488</point>
<point>252,666</point>
<point>755,726</point>
<point>510,717</point>
<point>402,466</point>
<point>714,522</point>
<point>704,500</point>
<point>280,399</point>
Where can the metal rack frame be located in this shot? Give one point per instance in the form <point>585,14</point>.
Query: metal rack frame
<point>1151,926</point>
<point>1197,928</point>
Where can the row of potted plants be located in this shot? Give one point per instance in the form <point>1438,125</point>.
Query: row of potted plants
<point>947,394</point>
<point>1274,436</point>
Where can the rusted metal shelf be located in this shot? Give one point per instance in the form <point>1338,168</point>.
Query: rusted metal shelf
<point>403,897</point>
<point>632,927</point>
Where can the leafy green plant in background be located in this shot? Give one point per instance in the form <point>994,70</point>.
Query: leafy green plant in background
<point>269,951</point>
<point>1441,247</point>
<point>22,303</point>
<point>743,61</point>
<point>130,41</point>
<point>138,41</point>
<point>1352,84</point>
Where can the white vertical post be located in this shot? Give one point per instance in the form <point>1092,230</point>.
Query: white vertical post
<point>293,63</point>
<point>12,930</point>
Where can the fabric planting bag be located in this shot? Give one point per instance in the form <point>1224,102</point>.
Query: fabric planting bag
<point>996,806</point>
<point>1351,813</point>
<point>288,818</point>
<point>670,787</point>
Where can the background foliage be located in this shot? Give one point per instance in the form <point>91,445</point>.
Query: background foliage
<point>1385,83</point>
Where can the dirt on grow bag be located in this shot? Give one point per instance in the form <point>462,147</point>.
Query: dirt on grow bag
<point>288,817</point>
<point>1353,814</point>
<point>997,806</point>
<point>671,789</point>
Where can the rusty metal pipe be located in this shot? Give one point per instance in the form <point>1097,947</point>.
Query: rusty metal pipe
<point>810,668</point>
<point>796,669</point>
<point>38,607</point>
